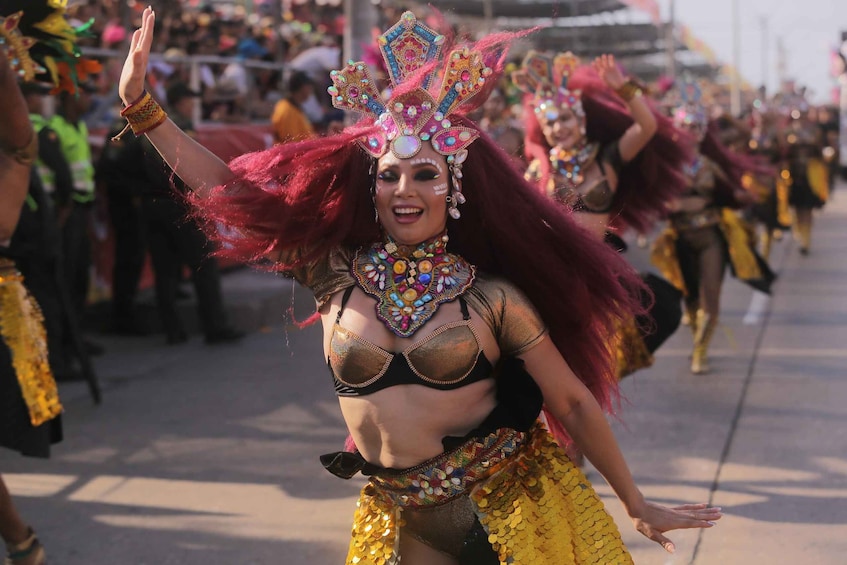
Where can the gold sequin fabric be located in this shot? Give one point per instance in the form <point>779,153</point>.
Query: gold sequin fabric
<point>631,351</point>
<point>739,238</point>
<point>663,256</point>
<point>22,330</point>
<point>536,507</point>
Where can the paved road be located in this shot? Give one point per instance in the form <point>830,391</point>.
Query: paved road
<point>204,455</point>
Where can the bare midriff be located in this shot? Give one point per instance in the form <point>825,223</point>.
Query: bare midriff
<point>402,426</point>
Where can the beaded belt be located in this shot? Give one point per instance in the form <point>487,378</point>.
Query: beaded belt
<point>450,474</point>
<point>694,220</point>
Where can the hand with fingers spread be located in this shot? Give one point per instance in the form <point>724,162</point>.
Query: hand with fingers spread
<point>653,520</point>
<point>608,70</point>
<point>131,85</point>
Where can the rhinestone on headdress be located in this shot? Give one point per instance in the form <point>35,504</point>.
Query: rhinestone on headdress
<point>17,47</point>
<point>691,112</point>
<point>546,77</point>
<point>423,114</point>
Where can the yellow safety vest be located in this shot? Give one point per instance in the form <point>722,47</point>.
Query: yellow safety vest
<point>74,142</point>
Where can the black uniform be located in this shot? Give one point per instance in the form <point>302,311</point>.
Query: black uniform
<point>121,169</point>
<point>175,241</point>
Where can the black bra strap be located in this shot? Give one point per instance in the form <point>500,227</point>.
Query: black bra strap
<point>344,298</point>
<point>464,306</point>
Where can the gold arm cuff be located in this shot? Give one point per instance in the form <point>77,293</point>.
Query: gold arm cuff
<point>629,90</point>
<point>26,155</point>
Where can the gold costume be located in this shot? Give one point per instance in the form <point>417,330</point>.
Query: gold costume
<point>533,502</point>
<point>631,351</point>
<point>22,330</point>
<point>739,241</point>
<point>515,493</point>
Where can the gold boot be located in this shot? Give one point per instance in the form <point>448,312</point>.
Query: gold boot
<point>767,242</point>
<point>689,318</point>
<point>705,330</point>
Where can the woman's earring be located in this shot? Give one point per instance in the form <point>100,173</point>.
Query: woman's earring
<point>454,162</point>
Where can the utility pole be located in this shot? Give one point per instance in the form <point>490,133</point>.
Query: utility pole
<point>781,63</point>
<point>765,51</point>
<point>670,42</point>
<point>488,14</point>
<point>735,100</point>
<point>359,22</point>
<point>575,29</point>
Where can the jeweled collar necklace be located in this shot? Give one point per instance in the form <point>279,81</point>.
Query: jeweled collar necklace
<point>571,164</point>
<point>409,282</point>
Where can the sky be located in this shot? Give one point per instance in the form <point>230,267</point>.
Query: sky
<point>808,29</point>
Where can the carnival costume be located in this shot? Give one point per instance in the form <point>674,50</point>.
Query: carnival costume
<point>505,492</point>
<point>645,186</point>
<point>771,186</point>
<point>41,46</point>
<point>806,174</point>
<point>702,239</point>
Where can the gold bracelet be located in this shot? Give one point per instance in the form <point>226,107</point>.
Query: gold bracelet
<point>26,155</point>
<point>144,115</point>
<point>629,90</point>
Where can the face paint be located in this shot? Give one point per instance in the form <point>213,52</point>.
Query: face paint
<point>428,161</point>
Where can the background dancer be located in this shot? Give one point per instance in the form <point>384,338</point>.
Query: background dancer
<point>599,148</point>
<point>705,233</point>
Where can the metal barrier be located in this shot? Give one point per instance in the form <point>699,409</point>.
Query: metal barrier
<point>203,73</point>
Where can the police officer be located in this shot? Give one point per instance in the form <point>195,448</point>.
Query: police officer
<point>76,242</point>
<point>174,240</point>
<point>122,171</point>
<point>38,243</point>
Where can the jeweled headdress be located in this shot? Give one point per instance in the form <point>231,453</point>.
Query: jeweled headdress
<point>41,44</point>
<point>546,78</point>
<point>423,114</point>
<point>691,111</point>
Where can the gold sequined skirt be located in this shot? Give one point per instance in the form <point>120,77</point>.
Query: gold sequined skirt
<point>631,352</point>
<point>22,330</point>
<point>534,504</point>
<point>740,245</point>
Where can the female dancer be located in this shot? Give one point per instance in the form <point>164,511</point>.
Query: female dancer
<point>807,173</point>
<point>705,233</point>
<point>431,347</point>
<point>599,148</point>
<point>29,403</point>
<point>772,209</point>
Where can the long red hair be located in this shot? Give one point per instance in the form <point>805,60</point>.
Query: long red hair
<point>733,164</point>
<point>649,182</point>
<point>315,196</point>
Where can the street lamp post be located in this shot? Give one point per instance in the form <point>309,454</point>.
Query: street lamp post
<point>735,79</point>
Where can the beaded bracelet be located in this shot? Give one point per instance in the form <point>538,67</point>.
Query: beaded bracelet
<point>144,115</point>
<point>629,90</point>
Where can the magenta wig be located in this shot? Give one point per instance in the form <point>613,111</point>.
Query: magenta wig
<point>733,164</point>
<point>315,196</point>
<point>649,182</point>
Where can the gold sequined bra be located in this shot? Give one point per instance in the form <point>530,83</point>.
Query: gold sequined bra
<point>450,357</point>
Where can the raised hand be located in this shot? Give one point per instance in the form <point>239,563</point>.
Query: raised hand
<point>608,70</point>
<point>653,520</point>
<point>131,85</point>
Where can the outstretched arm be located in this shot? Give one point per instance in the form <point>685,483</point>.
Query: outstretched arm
<point>18,148</point>
<point>574,405</point>
<point>645,126</point>
<point>198,167</point>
